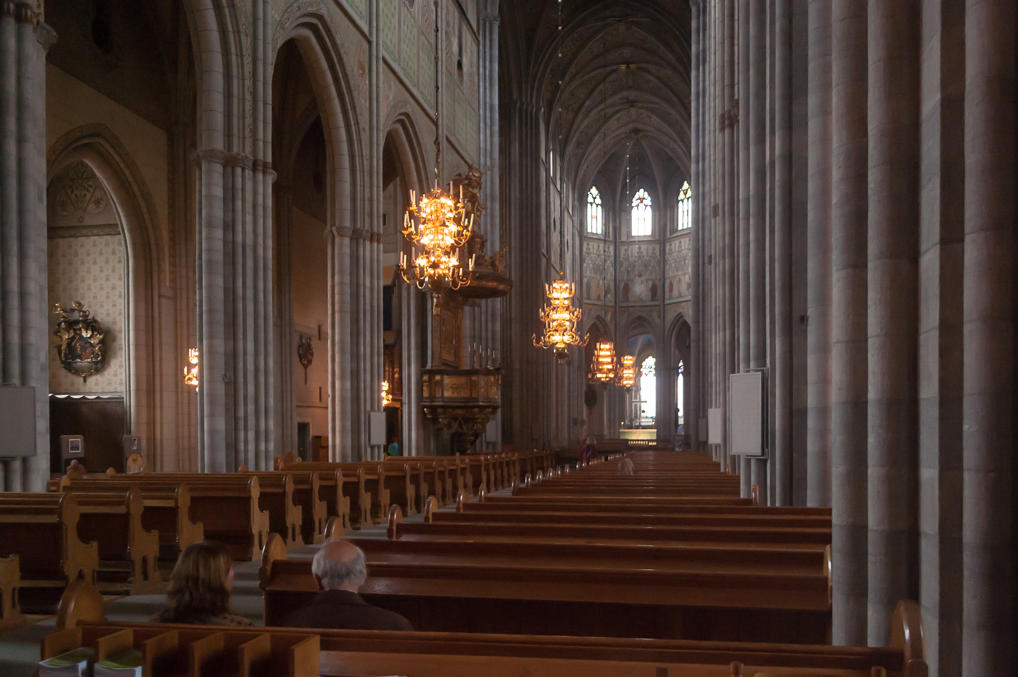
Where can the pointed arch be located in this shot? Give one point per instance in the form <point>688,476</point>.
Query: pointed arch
<point>148,398</point>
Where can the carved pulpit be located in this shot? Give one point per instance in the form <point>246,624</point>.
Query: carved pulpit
<point>461,397</point>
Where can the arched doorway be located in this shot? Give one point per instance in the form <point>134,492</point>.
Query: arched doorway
<point>301,260</point>
<point>405,310</point>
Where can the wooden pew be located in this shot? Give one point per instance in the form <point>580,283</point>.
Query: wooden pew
<point>128,553</point>
<point>45,535</point>
<point>500,503</point>
<point>10,585</point>
<point>538,597</point>
<point>600,555</point>
<point>357,486</point>
<point>434,654</point>
<point>165,511</point>
<point>227,505</point>
<point>676,519</point>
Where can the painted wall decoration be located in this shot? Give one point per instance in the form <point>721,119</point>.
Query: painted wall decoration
<point>598,271</point>
<point>678,268</point>
<point>639,272</point>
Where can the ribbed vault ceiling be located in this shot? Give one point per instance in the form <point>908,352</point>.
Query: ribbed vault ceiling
<point>615,74</point>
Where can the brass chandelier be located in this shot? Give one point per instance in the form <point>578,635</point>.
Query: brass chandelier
<point>437,227</point>
<point>602,367</point>
<point>560,319</point>
<point>627,371</point>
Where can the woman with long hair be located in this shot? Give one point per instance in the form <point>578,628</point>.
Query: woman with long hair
<point>200,587</point>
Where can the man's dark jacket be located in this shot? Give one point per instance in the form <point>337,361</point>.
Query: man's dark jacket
<point>344,609</point>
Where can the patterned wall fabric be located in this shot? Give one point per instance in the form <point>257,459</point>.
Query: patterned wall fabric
<point>86,263</point>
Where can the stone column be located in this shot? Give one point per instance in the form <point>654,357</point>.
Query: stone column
<point>989,281</point>
<point>781,371</point>
<point>25,330</point>
<point>286,422</point>
<point>758,208</point>
<point>694,369</point>
<point>892,233</point>
<point>818,258</point>
<point>941,341</point>
<point>341,405</point>
<point>848,354</point>
<point>745,281</point>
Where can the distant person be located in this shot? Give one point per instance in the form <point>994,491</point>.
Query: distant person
<point>589,449</point>
<point>627,467</point>
<point>393,448</point>
<point>200,586</point>
<point>340,570</point>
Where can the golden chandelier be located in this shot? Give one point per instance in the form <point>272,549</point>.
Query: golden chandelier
<point>560,319</point>
<point>437,231</point>
<point>191,369</point>
<point>627,371</point>
<point>602,368</point>
<point>385,394</point>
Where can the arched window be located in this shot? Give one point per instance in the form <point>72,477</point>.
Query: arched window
<point>685,211</point>
<point>648,392</point>
<point>641,213</point>
<point>680,407</point>
<point>595,214</point>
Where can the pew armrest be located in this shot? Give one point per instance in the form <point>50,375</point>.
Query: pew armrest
<point>274,550</point>
<point>908,635</point>
<point>430,506</point>
<point>395,519</point>
<point>81,601</point>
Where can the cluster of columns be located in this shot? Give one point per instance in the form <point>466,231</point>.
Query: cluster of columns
<point>872,227</point>
<point>24,332</point>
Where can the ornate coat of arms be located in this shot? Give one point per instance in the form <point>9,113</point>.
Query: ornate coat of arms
<point>80,341</point>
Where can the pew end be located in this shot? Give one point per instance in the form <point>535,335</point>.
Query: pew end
<point>395,518</point>
<point>334,529</point>
<point>907,634</point>
<point>755,493</point>
<point>461,498</point>
<point>828,573</point>
<point>10,582</point>
<point>80,602</point>
<point>430,507</point>
<point>482,494</point>
<point>274,551</point>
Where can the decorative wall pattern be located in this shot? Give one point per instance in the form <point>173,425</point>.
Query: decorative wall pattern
<point>89,269</point>
<point>678,267</point>
<point>639,272</point>
<point>85,255</point>
<point>598,271</point>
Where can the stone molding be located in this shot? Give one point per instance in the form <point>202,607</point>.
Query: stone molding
<point>230,159</point>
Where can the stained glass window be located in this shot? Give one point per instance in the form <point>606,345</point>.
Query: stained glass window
<point>641,224</point>
<point>648,391</point>
<point>595,213</point>
<point>685,207</point>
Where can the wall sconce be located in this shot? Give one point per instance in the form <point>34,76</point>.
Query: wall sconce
<point>191,368</point>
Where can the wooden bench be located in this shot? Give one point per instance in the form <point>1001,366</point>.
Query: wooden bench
<point>44,534</point>
<point>539,597</point>
<point>671,556</point>
<point>186,649</point>
<point>227,505</point>
<point>227,652</point>
<point>165,511</point>
<point>499,503</point>
<point>357,486</point>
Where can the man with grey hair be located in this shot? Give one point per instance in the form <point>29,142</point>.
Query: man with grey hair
<point>340,570</point>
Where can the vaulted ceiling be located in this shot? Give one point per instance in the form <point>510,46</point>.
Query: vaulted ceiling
<point>606,74</point>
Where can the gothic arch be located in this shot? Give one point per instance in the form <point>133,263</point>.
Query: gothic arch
<point>148,380</point>
<point>346,195</point>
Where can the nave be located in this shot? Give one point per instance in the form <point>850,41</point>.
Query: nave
<point>636,563</point>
